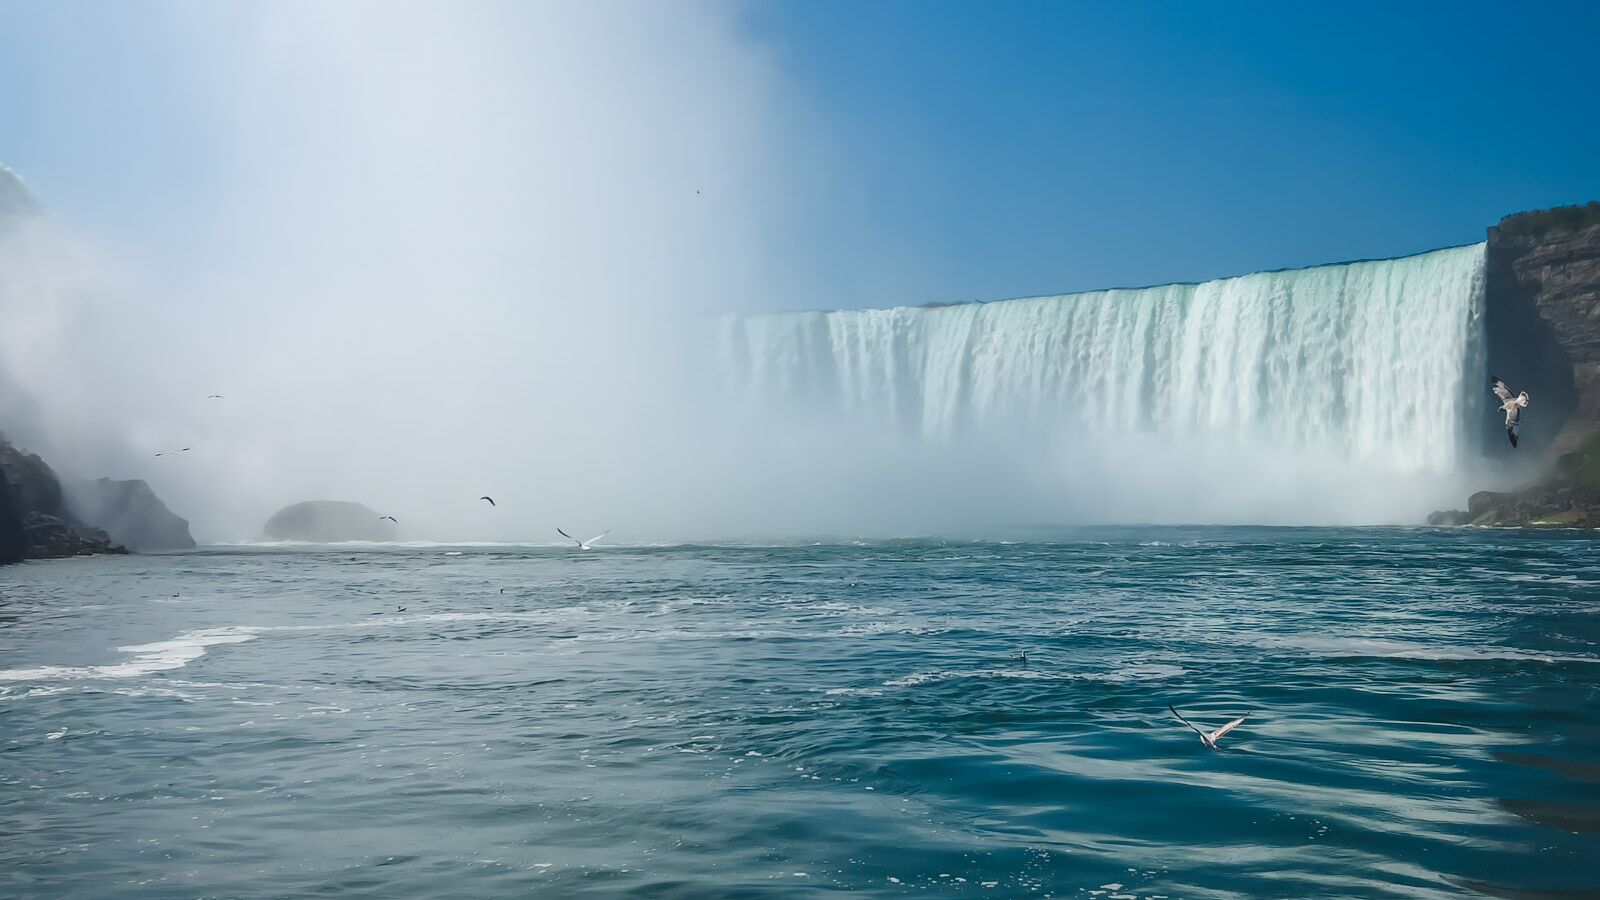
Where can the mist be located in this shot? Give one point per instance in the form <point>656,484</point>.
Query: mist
<point>433,253</point>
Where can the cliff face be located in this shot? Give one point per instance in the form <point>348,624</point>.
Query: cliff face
<point>1548,264</point>
<point>13,539</point>
<point>1542,310</point>
<point>130,512</point>
<point>31,504</point>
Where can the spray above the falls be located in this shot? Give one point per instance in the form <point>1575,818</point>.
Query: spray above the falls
<point>1311,376</point>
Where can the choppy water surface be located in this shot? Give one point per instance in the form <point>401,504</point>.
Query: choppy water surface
<point>805,719</point>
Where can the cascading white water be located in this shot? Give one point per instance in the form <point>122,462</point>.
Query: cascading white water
<point>1365,363</point>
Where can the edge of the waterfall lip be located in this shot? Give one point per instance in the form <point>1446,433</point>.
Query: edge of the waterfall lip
<point>945,304</point>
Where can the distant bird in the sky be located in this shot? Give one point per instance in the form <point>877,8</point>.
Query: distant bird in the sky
<point>1210,738</point>
<point>490,499</point>
<point>171,452</point>
<point>1511,406</point>
<point>215,397</point>
<point>389,519</point>
<point>584,545</point>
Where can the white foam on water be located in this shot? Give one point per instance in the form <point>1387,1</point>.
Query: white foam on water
<point>1390,649</point>
<point>145,658</point>
<point>189,646</point>
<point>1130,673</point>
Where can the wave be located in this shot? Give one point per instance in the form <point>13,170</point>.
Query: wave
<point>146,658</point>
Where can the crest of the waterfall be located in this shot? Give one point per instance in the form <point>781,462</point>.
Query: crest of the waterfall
<point>1307,379</point>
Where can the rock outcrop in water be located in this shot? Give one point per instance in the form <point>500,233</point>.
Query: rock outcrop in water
<point>1542,303</point>
<point>33,503</point>
<point>327,522</point>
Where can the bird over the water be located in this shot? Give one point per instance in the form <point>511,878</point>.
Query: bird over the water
<point>215,397</point>
<point>488,498</point>
<point>584,545</point>
<point>1209,738</point>
<point>1511,406</point>
<point>170,452</point>
<point>389,519</point>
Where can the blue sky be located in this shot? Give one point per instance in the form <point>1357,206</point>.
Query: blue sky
<point>1032,147</point>
<point>1000,149</point>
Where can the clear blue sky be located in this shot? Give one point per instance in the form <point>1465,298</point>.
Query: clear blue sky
<point>1004,149</point>
<point>1035,147</point>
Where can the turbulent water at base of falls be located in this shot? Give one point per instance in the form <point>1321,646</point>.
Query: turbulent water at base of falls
<point>1365,368</point>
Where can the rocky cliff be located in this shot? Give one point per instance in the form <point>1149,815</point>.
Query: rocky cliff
<point>33,503</point>
<point>1542,309</point>
<point>13,539</point>
<point>1548,263</point>
<point>130,512</point>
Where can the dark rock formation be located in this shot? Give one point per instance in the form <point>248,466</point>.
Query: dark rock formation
<point>1542,275</point>
<point>13,538</point>
<point>1546,505</point>
<point>50,537</point>
<point>1542,310</point>
<point>1567,495</point>
<point>130,512</point>
<point>33,499</point>
<point>326,522</point>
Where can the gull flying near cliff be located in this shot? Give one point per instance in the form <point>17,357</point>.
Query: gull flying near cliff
<point>490,499</point>
<point>171,452</point>
<point>584,545</point>
<point>1209,738</point>
<point>1511,406</point>
<point>389,519</point>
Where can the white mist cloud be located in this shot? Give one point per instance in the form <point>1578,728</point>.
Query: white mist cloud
<point>435,251</point>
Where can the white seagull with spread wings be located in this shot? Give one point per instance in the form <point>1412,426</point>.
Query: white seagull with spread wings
<point>584,545</point>
<point>1511,406</point>
<point>1209,738</point>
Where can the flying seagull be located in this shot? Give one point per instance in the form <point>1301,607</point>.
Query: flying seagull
<point>1511,406</point>
<point>171,452</point>
<point>215,397</point>
<point>1210,738</point>
<point>490,499</point>
<point>584,545</point>
<point>389,518</point>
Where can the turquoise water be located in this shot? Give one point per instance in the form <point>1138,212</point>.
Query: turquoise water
<point>733,721</point>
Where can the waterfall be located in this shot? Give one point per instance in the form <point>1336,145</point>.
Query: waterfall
<point>1370,363</point>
